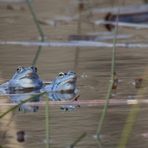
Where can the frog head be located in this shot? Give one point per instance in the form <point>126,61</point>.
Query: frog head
<point>25,78</point>
<point>64,82</point>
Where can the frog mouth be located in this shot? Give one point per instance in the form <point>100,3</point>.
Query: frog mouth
<point>70,80</point>
<point>29,76</point>
<point>21,90</point>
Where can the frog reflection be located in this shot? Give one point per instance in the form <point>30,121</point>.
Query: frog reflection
<point>52,96</point>
<point>18,98</point>
<point>57,96</point>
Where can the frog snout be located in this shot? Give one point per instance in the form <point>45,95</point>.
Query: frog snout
<point>30,75</point>
<point>72,79</point>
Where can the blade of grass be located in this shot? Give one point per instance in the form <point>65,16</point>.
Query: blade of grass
<point>47,122</point>
<point>130,122</point>
<point>78,140</point>
<point>18,105</point>
<point>109,92</point>
<point>133,115</point>
<point>7,126</point>
<point>39,30</point>
<point>104,111</point>
<point>79,32</point>
<point>99,143</point>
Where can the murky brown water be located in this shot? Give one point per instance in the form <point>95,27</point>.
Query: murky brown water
<point>93,68</point>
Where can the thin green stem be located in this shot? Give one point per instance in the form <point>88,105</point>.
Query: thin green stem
<point>47,122</point>
<point>39,30</point>
<point>37,55</point>
<point>132,116</point>
<point>99,143</point>
<point>78,140</point>
<point>18,105</point>
<point>109,92</point>
<point>104,111</point>
<point>79,32</point>
<point>113,66</point>
<point>7,126</point>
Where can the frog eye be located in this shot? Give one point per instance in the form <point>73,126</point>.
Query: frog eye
<point>34,68</point>
<point>19,69</point>
<point>61,74</point>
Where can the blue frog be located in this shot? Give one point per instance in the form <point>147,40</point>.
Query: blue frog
<point>63,83</point>
<point>25,78</point>
<point>63,87</point>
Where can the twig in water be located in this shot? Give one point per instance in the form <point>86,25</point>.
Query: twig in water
<point>122,24</point>
<point>86,44</point>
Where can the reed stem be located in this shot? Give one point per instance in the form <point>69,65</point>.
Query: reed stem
<point>47,122</point>
<point>109,92</point>
<point>41,33</point>
<point>18,105</point>
<point>78,140</point>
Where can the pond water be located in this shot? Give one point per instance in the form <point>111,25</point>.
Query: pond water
<point>93,68</point>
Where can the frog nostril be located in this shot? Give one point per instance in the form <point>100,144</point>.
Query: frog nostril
<point>34,68</point>
<point>71,73</point>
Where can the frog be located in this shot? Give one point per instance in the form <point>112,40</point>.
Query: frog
<point>63,83</point>
<point>63,87</point>
<point>25,78</point>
